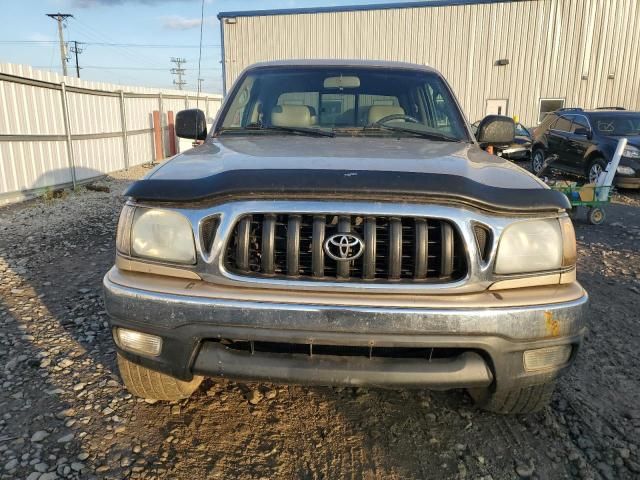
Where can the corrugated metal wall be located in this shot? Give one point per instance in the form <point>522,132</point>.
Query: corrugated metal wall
<point>584,51</point>
<point>34,142</point>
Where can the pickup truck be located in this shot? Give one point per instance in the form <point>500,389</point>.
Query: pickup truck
<point>340,225</point>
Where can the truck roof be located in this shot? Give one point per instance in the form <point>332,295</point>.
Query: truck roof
<point>343,63</point>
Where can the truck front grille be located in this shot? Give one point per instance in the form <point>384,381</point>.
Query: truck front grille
<point>394,249</point>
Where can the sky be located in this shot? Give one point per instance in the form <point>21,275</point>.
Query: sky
<point>146,34</point>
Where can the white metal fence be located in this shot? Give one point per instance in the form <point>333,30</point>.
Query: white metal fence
<point>59,131</point>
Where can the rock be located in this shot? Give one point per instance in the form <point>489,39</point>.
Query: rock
<point>41,467</point>
<point>34,476</point>
<point>175,410</point>
<point>624,453</point>
<point>79,386</point>
<point>254,397</point>
<point>525,470</point>
<point>77,466</point>
<point>83,456</point>
<point>11,464</point>
<point>48,476</point>
<point>271,394</point>
<point>65,363</point>
<point>39,436</point>
<point>606,471</point>
<point>66,439</point>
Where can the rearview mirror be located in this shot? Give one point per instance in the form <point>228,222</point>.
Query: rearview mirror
<point>191,124</point>
<point>585,132</point>
<point>341,82</point>
<point>496,130</point>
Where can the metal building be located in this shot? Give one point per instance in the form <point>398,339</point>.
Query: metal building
<point>521,58</point>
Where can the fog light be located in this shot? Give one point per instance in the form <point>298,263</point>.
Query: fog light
<point>546,357</point>
<point>138,342</point>
<point>624,170</point>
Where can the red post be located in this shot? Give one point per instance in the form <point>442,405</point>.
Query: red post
<point>172,133</point>
<point>157,135</point>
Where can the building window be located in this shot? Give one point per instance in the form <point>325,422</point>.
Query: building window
<point>548,105</point>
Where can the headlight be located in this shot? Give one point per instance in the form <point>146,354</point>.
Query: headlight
<point>156,234</point>
<point>631,152</point>
<point>536,246</point>
<point>624,170</point>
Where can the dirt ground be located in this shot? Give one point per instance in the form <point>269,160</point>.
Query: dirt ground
<point>65,414</point>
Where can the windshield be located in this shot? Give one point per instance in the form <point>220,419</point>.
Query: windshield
<point>343,101</point>
<point>620,124</point>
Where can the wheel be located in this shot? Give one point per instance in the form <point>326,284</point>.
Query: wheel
<point>146,383</point>
<point>537,160</point>
<point>596,167</point>
<point>530,399</point>
<point>596,216</point>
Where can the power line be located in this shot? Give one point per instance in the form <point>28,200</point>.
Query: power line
<point>108,67</point>
<point>61,19</point>
<point>106,44</point>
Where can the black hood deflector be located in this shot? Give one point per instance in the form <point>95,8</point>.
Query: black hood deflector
<point>356,184</point>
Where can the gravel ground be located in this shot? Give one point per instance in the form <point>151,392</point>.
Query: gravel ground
<point>65,414</point>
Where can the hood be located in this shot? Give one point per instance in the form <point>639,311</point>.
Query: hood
<point>287,164</point>
<point>353,153</point>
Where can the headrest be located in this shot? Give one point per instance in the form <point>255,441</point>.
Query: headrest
<point>291,116</point>
<point>377,112</point>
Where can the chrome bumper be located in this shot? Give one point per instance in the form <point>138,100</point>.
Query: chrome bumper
<point>186,321</point>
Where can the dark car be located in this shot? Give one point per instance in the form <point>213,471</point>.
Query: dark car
<point>520,149</point>
<point>584,141</point>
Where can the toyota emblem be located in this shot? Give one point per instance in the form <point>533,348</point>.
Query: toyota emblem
<point>344,247</point>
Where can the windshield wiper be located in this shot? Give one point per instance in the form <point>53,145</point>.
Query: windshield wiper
<point>279,128</point>
<point>430,135</point>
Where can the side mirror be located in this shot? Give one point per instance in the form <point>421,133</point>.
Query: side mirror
<point>191,124</point>
<point>496,130</point>
<point>585,132</point>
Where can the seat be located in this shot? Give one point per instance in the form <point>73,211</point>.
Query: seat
<point>377,112</point>
<point>292,116</point>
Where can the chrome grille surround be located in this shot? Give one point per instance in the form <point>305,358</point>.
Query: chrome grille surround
<point>210,265</point>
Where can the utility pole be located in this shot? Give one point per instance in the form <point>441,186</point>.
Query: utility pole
<point>61,17</point>
<point>77,50</point>
<point>200,80</point>
<point>179,71</point>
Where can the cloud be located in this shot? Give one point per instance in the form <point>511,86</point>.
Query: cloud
<point>180,23</point>
<point>39,37</point>
<point>111,3</point>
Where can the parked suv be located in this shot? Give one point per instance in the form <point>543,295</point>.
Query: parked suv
<point>340,225</point>
<point>584,141</point>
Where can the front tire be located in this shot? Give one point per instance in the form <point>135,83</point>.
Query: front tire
<point>146,383</point>
<point>596,167</point>
<point>537,161</point>
<point>515,401</point>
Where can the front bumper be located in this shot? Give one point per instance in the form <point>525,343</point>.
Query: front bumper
<point>490,330</point>
<point>621,181</point>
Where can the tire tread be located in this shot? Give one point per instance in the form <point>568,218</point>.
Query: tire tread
<point>523,400</point>
<point>146,383</point>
